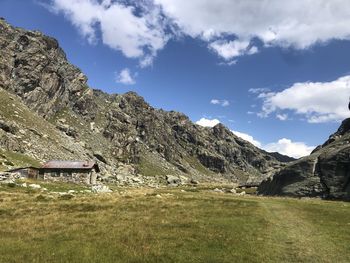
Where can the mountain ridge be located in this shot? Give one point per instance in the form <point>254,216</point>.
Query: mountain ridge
<point>325,173</point>
<point>121,131</point>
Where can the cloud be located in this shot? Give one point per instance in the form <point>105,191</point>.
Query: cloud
<point>125,77</point>
<point>258,90</point>
<point>283,146</point>
<point>231,49</point>
<point>207,122</point>
<point>247,137</point>
<point>287,147</point>
<point>223,103</point>
<point>139,29</point>
<point>297,24</point>
<point>136,36</point>
<point>316,101</point>
<point>282,117</point>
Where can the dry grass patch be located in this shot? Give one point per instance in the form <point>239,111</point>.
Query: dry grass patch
<point>167,225</point>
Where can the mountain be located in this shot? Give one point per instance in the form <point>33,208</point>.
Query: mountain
<point>47,111</point>
<point>325,173</point>
<point>282,158</point>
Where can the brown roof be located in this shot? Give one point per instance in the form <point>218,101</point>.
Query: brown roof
<point>81,165</point>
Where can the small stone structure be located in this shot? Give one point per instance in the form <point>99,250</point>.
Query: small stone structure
<point>71,171</point>
<point>68,171</point>
<point>26,172</point>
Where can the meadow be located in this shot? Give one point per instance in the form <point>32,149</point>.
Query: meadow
<point>169,225</point>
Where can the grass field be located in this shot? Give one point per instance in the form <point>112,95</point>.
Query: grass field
<point>169,225</point>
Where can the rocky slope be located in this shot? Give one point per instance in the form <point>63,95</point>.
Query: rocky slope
<point>49,112</point>
<point>325,173</point>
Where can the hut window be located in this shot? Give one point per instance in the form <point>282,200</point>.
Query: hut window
<point>67,174</point>
<point>55,174</point>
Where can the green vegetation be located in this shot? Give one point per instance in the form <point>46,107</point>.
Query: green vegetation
<point>149,167</point>
<point>13,159</point>
<point>169,225</point>
<point>195,164</point>
<point>57,186</point>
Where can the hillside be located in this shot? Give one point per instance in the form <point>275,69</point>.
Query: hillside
<point>56,115</point>
<point>325,173</point>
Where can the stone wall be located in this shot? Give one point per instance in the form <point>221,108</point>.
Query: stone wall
<point>80,177</point>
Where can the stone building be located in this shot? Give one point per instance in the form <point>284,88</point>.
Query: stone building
<point>26,172</point>
<point>70,171</point>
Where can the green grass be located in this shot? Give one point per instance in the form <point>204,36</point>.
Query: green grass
<point>148,167</point>
<point>15,159</point>
<point>57,186</point>
<point>195,164</point>
<point>137,226</point>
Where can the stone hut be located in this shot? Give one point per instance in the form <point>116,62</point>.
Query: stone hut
<point>70,171</point>
<point>26,172</point>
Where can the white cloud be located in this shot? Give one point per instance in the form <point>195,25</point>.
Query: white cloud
<point>287,147</point>
<point>247,137</point>
<point>316,101</point>
<point>283,146</point>
<point>223,103</point>
<point>228,63</point>
<point>258,90</point>
<point>253,50</point>
<point>139,29</point>
<point>136,36</point>
<point>207,122</point>
<point>125,77</point>
<point>231,49</point>
<point>298,24</point>
<point>282,117</point>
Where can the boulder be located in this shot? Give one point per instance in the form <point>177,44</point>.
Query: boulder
<point>100,189</point>
<point>194,182</point>
<point>233,191</point>
<point>34,186</point>
<point>99,156</point>
<point>173,180</point>
<point>8,127</point>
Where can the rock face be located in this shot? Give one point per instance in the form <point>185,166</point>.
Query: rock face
<point>60,117</point>
<point>325,173</point>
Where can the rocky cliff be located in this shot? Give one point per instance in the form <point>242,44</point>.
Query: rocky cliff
<point>48,111</point>
<point>325,173</point>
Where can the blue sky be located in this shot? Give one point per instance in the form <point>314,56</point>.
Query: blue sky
<point>281,82</point>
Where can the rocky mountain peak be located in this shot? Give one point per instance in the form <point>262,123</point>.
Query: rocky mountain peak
<point>123,130</point>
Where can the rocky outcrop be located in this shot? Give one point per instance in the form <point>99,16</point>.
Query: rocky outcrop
<point>34,67</point>
<point>72,121</point>
<point>325,173</point>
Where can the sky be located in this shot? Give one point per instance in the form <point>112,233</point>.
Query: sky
<point>276,73</point>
